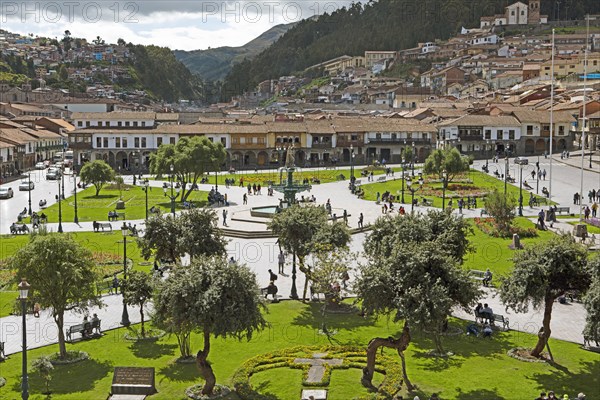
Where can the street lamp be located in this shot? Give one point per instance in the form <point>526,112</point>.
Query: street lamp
<point>413,159</point>
<point>29,183</point>
<point>403,169</point>
<point>352,168</point>
<point>294,291</point>
<point>60,196</point>
<point>172,196</point>
<point>23,292</point>
<point>444,184</point>
<point>145,189</point>
<point>521,190</point>
<point>487,146</point>
<point>413,190</point>
<point>506,174</point>
<point>125,316</point>
<point>76,218</point>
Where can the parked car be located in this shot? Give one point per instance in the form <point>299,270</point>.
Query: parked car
<point>40,165</point>
<point>6,193</point>
<point>26,184</point>
<point>47,163</point>
<point>521,161</point>
<point>53,174</point>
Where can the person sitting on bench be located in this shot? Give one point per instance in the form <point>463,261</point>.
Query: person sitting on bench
<point>487,277</point>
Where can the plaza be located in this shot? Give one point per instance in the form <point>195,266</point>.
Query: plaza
<point>250,243</point>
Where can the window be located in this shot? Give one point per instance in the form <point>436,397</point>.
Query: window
<point>211,139</point>
<point>425,136</point>
<point>158,141</point>
<point>530,129</point>
<point>223,141</point>
<point>511,134</point>
<point>104,142</point>
<point>242,140</point>
<point>106,123</point>
<point>143,124</point>
<point>488,133</point>
<point>144,142</point>
<point>87,124</point>
<point>172,140</point>
<point>136,142</point>
<point>80,124</point>
<point>125,142</point>
<point>135,124</point>
<point>261,140</point>
<point>235,140</point>
<point>126,123</point>
<point>119,124</point>
<point>512,13</point>
<point>561,129</point>
<point>118,142</point>
<point>499,134</point>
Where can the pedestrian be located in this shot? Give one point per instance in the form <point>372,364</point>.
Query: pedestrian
<point>281,259</point>
<point>245,198</point>
<point>586,212</point>
<point>259,187</point>
<point>272,276</point>
<point>345,216</point>
<point>249,189</point>
<point>544,174</point>
<point>594,209</point>
<point>134,180</point>
<point>36,310</point>
<point>225,199</point>
<point>460,205</point>
<point>224,217</point>
<point>360,221</point>
<point>532,174</point>
<point>590,196</point>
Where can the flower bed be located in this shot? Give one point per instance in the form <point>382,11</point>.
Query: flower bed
<point>73,356</point>
<point>487,226</point>
<point>151,335</point>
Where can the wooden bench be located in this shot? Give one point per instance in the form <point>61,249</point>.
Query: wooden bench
<point>102,225</point>
<point>480,317</point>
<point>476,274</point>
<point>357,182</point>
<point>86,329</point>
<point>121,215</point>
<point>560,210</point>
<point>381,179</point>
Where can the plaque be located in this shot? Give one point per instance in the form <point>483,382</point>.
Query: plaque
<point>133,380</point>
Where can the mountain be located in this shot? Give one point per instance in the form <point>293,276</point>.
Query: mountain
<point>215,64</point>
<point>377,25</point>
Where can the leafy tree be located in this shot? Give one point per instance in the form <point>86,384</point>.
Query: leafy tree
<point>98,173</point>
<point>137,291</point>
<point>300,229</point>
<point>502,209</point>
<point>44,367</point>
<point>63,74</point>
<point>190,157</point>
<point>330,266</point>
<point>449,160</point>
<point>214,297</point>
<point>194,232</point>
<point>416,277</point>
<point>591,301</point>
<point>62,276</point>
<point>540,275</point>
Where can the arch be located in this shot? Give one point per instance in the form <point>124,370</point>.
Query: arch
<point>250,158</point>
<point>540,146</point>
<point>529,146</point>
<point>120,160</point>
<point>263,158</point>
<point>100,156</point>
<point>146,158</point>
<point>346,155</point>
<point>300,156</point>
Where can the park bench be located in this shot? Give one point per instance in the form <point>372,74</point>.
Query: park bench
<point>121,215</point>
<point>85,329</point>
<point>560,210</point>
<point>476,274</point>
<point>103,226</point>
<point>480,317</point>
<point>381,179</point>
<point>483,212</point>
<point>427,202</point>
<point>2,353</point>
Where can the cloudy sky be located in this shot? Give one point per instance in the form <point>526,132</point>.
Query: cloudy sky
<point>185,25</point>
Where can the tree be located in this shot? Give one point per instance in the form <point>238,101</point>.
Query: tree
<point>413,272</point>
<point>299,229</point>
<point>98,173</point>
<point>194,232</point>
<point>591,302</point>
<point>502,209</point>
<point>215,298</point>
<point>44,367</point>
<point>190,157</point>
<point>330,266</point>
<point>63,73</point>
<point>62,276</point>
<point>137,290</point>
<point>540,275</point>
<point>449,160</point>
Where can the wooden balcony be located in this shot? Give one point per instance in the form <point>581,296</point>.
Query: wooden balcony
<point>348,143</point>
<point>326,145</point>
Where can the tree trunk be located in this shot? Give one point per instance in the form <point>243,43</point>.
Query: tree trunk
<point>204,366</point>
<point>60,322</point>
<point>306,276</point>
<point>142,315</point>
<point>545,331</point>
<point>409,385</point>
<point>183,340</point>
<point>400,345</point>
<point>437,339</point>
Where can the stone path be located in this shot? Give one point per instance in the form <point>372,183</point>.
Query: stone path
<point>317,366</point>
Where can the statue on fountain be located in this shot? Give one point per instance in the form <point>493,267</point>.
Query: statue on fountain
<point>290,159</point>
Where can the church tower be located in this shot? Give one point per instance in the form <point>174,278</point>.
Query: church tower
<point>533,14</point>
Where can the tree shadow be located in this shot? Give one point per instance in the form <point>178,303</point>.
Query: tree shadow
<point>312,317</point>
<point>478,395</point>
<point>562,380</point>
<point>151,349</point>
<point>258,392</point>
<point>73,378</point>
<point>180,372</point>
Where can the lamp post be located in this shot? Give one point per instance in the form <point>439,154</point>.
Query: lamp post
<point>352,168</point>
<point>413,159</point>
<point>23,292</point>
<point>125,316</point>
<point>506,174</point>
<point>487,145</point>
<point>60,228</point>
<point>172,196</point>
<point>403,169</point>
<point>145,189</point>
<point>29,183</point>
<point>537,175</point>
<point>75,218</point>
<point>294,291</point>
<point>444,184</point>
<point>520,190</point>
<point>413,190</point>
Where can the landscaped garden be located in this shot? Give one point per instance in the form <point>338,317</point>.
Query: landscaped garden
<point>479,368</point>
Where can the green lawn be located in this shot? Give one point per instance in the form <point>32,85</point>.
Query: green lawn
<point>590,228</point>
<point>494,253</point>
<point>432,188</point>
<point>478,370</point>
<point>96,208</point>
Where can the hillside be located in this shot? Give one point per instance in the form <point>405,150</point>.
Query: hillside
<point>215,64</point>
<point>378,25</point>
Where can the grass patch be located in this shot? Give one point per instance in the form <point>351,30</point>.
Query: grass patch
<point>292,323</point>
<point>592,229</point>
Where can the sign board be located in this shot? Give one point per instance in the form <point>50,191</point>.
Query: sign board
<point>133,380</point>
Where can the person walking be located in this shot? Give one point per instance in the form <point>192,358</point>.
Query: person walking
<point>272,276</point>
<point>544,174</point>
<point>245,198</point>
<point>360,221</point>
<point>345,216</point>
<point>224,217</point>
<point>281,259</point>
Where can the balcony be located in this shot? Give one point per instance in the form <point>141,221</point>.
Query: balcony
<point>545,133</point>
<point>400,141</point>
<point>348,143</point>
<point>471,138</point>
<point>326,145</point>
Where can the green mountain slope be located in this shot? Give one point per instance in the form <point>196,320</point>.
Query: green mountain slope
<point>378,25</point>
<point>215,64</point>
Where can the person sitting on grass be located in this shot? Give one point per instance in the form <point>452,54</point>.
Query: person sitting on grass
<point>487,331</point>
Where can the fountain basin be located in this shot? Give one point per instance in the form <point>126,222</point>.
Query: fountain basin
<point>263,212</point>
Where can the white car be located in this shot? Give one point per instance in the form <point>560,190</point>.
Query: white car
<point>6,193</point>
<point>26,185</point>
<point>53,174</point>
<point>40,165</point>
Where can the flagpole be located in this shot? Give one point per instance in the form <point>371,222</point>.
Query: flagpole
<point>551,116</point>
